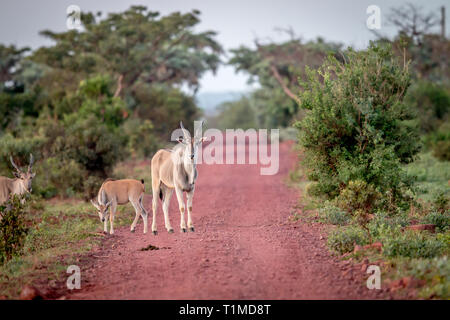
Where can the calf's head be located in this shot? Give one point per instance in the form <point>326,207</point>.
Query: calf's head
<point>102,210</point>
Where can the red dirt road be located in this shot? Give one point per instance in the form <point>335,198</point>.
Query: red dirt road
<point>243,247</point>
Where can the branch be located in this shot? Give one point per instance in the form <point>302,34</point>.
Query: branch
<point>119,86</point>
<point>283,85</point>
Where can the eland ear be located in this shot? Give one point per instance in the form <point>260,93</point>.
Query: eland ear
<point>16,174</point>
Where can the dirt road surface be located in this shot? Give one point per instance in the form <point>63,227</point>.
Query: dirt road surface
<point>244,247</point>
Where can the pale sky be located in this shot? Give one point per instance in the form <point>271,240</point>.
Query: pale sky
<point>237,22</point>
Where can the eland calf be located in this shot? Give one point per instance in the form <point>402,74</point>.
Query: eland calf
<point>20,185</point>
<point>176,169</point>
<point>119,192</point>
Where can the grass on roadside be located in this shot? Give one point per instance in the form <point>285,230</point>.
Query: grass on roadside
<point>60,230</point>
<point>418,255</point>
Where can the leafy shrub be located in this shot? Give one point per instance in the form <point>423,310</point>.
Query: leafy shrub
<point>12,228</point>
<point>384,224</point>
<point>436,272</point>
<point>91,144</point>
<point>441,150</point>
<point>357,126</point>
<point>441,201</point>
<point>431,102</point>
<point>334,215</point>
<point>141,139</point>
<point>441,220</point>
<point>412,244</point>
<point>91,186</point>
<point>343,239</point>
<point>57,176</point>
<point>357,195</point>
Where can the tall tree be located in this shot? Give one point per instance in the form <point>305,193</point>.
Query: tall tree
<point>135,46</point>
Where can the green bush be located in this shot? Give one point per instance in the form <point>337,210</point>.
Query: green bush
<point>141,139</point>
<point>343,239</point>
<point>357,126</point>
<point>440,220</point>
<point>436,272</point>
<point>12,228</point>
<point>91,144</point>
<point>412,244</point>
<point>357,195</point>
<point>441,150</point>
<point>91,185</point>
<point>441,201</point>
<point>334,215</point>
<point>431,102</point>
<point>56,176</point>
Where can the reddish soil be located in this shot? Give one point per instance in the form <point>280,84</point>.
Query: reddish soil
<point>244,247</point>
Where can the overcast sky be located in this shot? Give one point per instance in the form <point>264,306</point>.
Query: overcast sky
<point>237,22</point>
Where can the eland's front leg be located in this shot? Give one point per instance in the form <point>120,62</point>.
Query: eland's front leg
<point>112,214</point>
<point>190,198</point>
<point>181,205</point>
<point>167,194</point>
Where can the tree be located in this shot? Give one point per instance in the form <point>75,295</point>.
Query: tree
<point>277,68</point>
<point>9,62</point>
<point>136,46</point>
<point>357,127</point>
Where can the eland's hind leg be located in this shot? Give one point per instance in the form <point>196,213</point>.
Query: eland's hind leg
<point>144,213</point>
<point>137,209</point>
<point>156,191</point>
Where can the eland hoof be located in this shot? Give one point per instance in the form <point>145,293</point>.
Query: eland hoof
<point>170,231</point>
<point>183,229</point>
<point>132,230</point>
<point>192,229</point>
<point>155,232</point>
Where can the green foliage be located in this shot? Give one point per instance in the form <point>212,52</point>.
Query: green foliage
<point>441,202</point>
<point>358,195</point>
<point>92,145</point>
<point>141,139</point>
<point>436,272</point>
<point>334,215</point>
<point>440,219</point>
<point>412,244</point>
<point>237,114</point>
<point>343,239</point>
<point>431,103</point>
<point>432,176</point>
<point>275,66</point>
<point>442,150</point>
<point>55,176</point>
<point>139,45</point>
<point>12,228</point>
<point>357,127</point>
<point>164,107</point>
